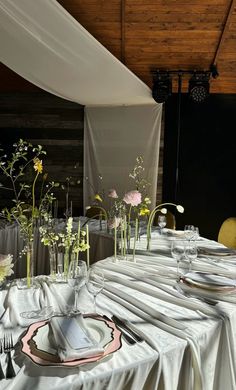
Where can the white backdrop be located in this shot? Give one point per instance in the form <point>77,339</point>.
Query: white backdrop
<point>43,43</point>
<point>113,138</point>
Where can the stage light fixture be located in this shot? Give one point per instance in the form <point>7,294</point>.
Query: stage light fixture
<point>199,86</point>
<point>162,86</point>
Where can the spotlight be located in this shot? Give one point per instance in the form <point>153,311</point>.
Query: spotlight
<point>199,86</point>
<point>162,86</point>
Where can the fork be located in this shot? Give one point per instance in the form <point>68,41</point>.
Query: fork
<point>8,347</point>
<point>2,376</point>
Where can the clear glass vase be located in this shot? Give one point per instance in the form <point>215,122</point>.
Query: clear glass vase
<point>52,262</point>
<point>29,281</point>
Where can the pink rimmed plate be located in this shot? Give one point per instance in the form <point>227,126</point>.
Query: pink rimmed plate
<point>38,345</point>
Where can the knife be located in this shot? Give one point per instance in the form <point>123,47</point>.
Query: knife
<point>123,324</point>
<point>130,340</point>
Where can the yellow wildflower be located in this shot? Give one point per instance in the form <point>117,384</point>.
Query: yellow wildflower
<point>98,197</point>
<point>38,165</point>
<point>144,211</point>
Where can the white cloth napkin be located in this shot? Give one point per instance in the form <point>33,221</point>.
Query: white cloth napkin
<point>18,301</point>
<point>72,338</point>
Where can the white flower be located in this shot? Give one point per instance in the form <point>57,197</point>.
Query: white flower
<point>164,210</point>
<point>180,208</point>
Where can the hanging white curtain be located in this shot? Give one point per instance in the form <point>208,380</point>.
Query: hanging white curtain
<point>113,138</point>
<point>43,43</point>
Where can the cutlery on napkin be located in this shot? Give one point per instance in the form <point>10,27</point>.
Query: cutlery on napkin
<point>72,338</point>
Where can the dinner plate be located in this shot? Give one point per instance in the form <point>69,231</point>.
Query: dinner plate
<point>38,343</point>
<point>219,285</point>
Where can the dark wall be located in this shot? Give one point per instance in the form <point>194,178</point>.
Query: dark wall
<point>57,125</point>
<point>207,160</point>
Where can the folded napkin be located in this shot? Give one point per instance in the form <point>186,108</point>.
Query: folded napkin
<point>18,301</point>
<point>73,339</point>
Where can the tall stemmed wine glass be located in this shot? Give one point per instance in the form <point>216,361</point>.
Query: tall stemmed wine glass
<point>178,252</point>
<point>191,253</point>
<point>161,220</point>
<point>95,283</point>
<point>189,232</point>
<point>76,279</point>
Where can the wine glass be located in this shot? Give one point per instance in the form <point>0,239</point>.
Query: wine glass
<point>77,274</point>
<point>95,283</point>
<point>196,233</point>
<point>191,253</point>
<point>189,232</point>
<point>161,220</point>
<point>177,252</point>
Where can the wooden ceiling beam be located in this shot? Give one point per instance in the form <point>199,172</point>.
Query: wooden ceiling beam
<point>123,6</point>
<point>224,31</point>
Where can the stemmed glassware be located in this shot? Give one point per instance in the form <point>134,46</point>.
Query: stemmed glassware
<point>178,252</point>
<point>77,274</point>
<point>161,222</point>
<point>191,253</point>
<point>95,283</point>
<point>189,232</point>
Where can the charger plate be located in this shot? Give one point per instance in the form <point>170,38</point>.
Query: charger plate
<point>38,345</point>
<point>219,285</point>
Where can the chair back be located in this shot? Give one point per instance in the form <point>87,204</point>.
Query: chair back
<point>227,233</point>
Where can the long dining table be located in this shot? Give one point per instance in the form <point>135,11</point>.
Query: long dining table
<point>188,340</point>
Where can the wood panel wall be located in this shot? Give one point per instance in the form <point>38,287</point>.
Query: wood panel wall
<point>57,125</point>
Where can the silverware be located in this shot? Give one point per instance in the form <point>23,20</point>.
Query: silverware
<point>2,376</point>
<point>125,325</point>
<point>8,347</point>
<point>130,340</point>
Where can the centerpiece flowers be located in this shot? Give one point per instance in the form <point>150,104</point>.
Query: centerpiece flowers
<point>126,211</point>
<point>69,241</point>
<point>27,211</point>
<point>6,265</point>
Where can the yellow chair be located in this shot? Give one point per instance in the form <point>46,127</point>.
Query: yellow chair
<point>170,219</point>
<point>227,233</point>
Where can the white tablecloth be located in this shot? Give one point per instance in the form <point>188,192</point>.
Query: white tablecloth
<point>189,344</point>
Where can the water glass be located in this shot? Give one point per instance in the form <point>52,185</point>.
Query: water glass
<point>77,274</point>
<point>178,252</point>
<point>161,222</point>
<point>95,283</point>
<point>191,253</point>
<point>189,232</point>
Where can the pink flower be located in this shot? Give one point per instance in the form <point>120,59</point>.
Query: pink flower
<point>112,194</point>
<point>133,197</point>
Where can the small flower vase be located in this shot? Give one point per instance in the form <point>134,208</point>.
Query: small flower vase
<point>66,262</point>
<point>52,262</point>
<point>28,282</point>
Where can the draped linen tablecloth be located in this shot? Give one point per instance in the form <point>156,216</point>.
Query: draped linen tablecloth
<point>189,344</point>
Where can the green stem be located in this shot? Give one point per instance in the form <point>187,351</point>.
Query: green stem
<point>28,266</point>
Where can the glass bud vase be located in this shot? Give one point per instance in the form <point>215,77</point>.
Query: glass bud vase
<point>28,282</point>
<point>52,262</point>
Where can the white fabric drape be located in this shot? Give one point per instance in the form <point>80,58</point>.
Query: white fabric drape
<point>43,43</point>
<point>113,138</point>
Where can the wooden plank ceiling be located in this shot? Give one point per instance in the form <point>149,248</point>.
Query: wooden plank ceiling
<point>159,34</point>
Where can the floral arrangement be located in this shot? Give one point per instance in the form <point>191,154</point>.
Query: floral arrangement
<point>26,211</point>
<point>71,242</point>
<point>6,266</point>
